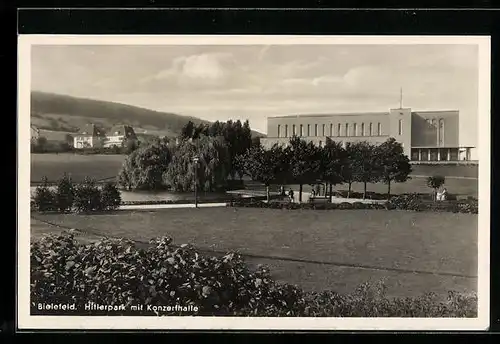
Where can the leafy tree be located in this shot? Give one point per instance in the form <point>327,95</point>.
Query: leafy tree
<point>435,182</point>
<point>237,136</point>
<point>143,168</point>
<point>188,130</point>
<point>87,196</point>
<point>44,198</point>
<point>41,144</point>
<point>130,145</point>
<point>365,164</point>
<point>110,197</point>
<point>265,165</point>
<point>201,129</point>
<point>65,194</point>
<point>333,158</point>
<point>347,169</point>
<point>394,164</point>
<point>213,168</point>
<point>255,141</point>
<point>304,161</point>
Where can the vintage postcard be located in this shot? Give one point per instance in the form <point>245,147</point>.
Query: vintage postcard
<point>254,182</point>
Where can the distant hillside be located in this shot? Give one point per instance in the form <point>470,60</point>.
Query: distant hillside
<point>67,114</point>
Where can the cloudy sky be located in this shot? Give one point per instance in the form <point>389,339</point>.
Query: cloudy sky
<point>253,82</point>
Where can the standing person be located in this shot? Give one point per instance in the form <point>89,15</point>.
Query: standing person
<point>290,194</point>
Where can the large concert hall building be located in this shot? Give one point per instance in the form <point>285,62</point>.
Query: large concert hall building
<point>425,135</point>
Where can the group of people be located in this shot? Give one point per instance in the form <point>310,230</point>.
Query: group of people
<point>442,196</point>
<point>289,194</point>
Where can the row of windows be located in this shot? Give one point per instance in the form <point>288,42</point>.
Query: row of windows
<point>438,124</point>
<point>338,130</point>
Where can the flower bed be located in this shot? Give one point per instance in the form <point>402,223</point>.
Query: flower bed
<point>115,272</point>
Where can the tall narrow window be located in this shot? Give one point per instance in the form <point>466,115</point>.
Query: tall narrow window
<point>324,133</point>
<point>315,130</point>
<point>308,130</point>
<point>286,130</point>
<point>441,132</point>
<point>294,132</point>
<point>362,129</point>
<point>279,130</point>
<point>339,129</point>
<point>331,129</point>
<point>371,129</point>
<point>434,126</point>
<point>379,129</point>
<point>346,133</point>
<point>301,130</point>
<point>355,129</point>
<point>400,128</point>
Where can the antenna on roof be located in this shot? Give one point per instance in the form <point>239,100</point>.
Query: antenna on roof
<point>401,98</point>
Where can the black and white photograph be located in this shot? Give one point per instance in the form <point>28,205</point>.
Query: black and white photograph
<point>254,182</point>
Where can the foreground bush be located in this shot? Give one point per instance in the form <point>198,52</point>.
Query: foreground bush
<point>115,272</point>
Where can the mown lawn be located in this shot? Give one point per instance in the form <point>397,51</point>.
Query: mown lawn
<point>321,240</point>
<point>53,166</point>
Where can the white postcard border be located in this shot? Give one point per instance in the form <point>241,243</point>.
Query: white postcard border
<point>26,321</point>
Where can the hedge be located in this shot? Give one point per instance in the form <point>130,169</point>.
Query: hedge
<point>410,202</point>
<point>115,272</point>
<point>83,197</point>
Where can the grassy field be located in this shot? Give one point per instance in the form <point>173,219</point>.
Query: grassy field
<point>53,166</point>
<point>322,243</point>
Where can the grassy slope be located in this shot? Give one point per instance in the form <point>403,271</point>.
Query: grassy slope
<point>406,240</point>
<point>67,114</point>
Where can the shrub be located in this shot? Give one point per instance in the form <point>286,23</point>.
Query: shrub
<point>114,272</point>
<point>470,206</point>
<point>44,198</point>
<point>359,205</point>
<point>345,205</point>
<point>406,202</point>
<point>87,196</point>
<point>110,197</point>
<point>65,194</point>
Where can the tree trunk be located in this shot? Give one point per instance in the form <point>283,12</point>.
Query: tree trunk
<point>331,191</point>
<point>268,196</point>
<point>349,190</point>
<point>300,193</point>
<point>389,189</point>
<point>364,190</point>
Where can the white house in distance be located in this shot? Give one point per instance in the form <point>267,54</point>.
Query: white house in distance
<point>90,136</point>
<point>118,134</point>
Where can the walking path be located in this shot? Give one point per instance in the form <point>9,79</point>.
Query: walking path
<point>169,206</point>
<point>446,177</point>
